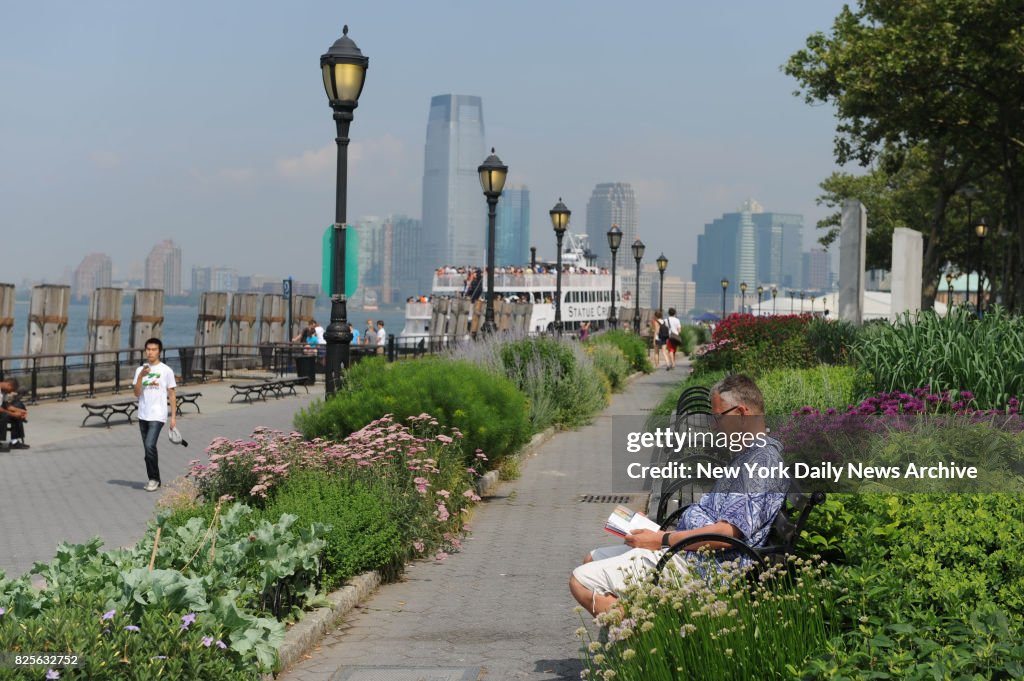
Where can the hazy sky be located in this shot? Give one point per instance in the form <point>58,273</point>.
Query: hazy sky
<point>125,123</point>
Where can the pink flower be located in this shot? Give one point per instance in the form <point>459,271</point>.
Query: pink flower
<point>443,493</point>
<point>442,513</point>
<point>419,546</point>
<point>471,495</point>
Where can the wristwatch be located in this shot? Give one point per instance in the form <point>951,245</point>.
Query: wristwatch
<point>665,542</point>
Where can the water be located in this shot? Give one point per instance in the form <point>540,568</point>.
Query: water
<point>179,324</point>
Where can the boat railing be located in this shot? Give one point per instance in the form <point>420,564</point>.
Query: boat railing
<point>526,281</point>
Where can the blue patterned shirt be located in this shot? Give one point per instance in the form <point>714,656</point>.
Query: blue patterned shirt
<point>748,504</point>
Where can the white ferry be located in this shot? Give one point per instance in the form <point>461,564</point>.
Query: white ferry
<point>586,296</point>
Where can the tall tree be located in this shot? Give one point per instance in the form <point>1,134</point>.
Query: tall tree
<point>942,76</point>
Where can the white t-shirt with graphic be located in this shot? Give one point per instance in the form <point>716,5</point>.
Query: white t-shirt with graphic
<point>153,399</point>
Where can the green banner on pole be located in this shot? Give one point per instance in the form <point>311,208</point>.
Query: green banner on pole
<point>351,261</point>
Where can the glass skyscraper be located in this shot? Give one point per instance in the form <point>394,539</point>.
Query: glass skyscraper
<point>612,203</point>
<point>454,209</point>
<point>512,228</point>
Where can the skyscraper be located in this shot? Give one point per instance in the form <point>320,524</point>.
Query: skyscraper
<point>407,258</point>
<point>512,228</point>
<point>751,246</point>
<point>454,210</point>
<point>95,271</point>
<point>612,203</point>
<point>163,268</point>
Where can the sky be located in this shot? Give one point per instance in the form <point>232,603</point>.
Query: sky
<point>126,123</point>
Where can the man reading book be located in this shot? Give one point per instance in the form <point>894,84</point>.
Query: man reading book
<point>743,508</point>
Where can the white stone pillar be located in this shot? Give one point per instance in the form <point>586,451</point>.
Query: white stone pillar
<point>907,258</point>
<point>852,261</point>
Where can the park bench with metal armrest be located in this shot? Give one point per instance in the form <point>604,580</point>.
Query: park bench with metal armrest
<point>785,531</point>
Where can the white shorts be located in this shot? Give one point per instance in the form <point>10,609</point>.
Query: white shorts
<point>613,565</point>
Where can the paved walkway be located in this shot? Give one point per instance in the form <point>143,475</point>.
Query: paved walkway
<point>79,482</point>
<point>502,604</point>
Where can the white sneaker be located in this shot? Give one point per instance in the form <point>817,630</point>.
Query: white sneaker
<point>152,486</point>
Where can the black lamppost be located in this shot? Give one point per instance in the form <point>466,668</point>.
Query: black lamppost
<point>662,266</point>
<point>725,286</point>
<point>760,292</point>
<point>981,230</point>
<point>614,241</point>
<point>638,255</point>
<point>533,258</point>
<point>802,294</point>
<point>949,290</point>
<point>559,221</point>
<point>743,297</point>
<point>492,179</point>
<point>969,193</point>
<point>344,71</point>
<point>775,292</point>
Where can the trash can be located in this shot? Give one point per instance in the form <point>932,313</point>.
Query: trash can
<point>267,356</point>
<point>186,355</point>
<point>305,367</point>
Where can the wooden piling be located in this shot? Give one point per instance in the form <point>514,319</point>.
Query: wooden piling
<point>7,294</point>
<point>47,322</point>
<point>242,328</point>
<point>273,319</point>
<point>213,313</point>
<point>147,317</point>
<point>104,330</point>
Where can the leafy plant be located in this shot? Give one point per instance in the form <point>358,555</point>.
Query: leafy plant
<point>632,346</point>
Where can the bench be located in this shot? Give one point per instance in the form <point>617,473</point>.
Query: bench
<point>278,387</point>
<point>789,522</point>
<point>187,397</point>
<point>107,408</point>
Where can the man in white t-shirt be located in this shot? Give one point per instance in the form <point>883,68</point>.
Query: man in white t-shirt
<point>154,385</point>
<point>382,337</point>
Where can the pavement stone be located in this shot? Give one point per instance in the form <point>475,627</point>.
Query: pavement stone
<point>79,482</point>
<point>501,603</point>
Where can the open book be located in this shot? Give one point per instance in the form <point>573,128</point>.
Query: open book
<point>623,521</point>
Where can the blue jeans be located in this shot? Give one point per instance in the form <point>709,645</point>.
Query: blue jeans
<point>150,434</point>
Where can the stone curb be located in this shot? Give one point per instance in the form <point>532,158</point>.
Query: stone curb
<point>303,636</point>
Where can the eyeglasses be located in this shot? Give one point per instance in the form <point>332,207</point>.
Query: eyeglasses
<point>718,416</point>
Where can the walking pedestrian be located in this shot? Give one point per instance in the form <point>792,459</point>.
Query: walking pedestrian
<point>154,385</point>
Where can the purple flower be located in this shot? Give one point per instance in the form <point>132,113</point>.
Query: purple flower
<point>187,620</point>
<point>2,611</point>
<point>108,615</point>
<point>131,627</point>
<point>52,674</point>
<point>159,657</point>
<point>207,641</point>
<point>221,644</point>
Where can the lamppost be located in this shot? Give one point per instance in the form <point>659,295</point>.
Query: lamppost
<point>775,292</point>
<point>981,230</point>
<point>662,265</point>
<point>949,291</point>
<point>743,297</point>
<point>614,241</point>
<point>802,293</point>
<point>760,292</point>
<point>492,179</point>
<point>725,286</point>
<point>344,71</point>
<point>812,305</point>
<point>533,258</point>
<point>559,221</point>
<point>638,255</point>
<point>969,193</point>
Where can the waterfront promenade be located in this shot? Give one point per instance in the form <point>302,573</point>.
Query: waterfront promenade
<point>499,609</point>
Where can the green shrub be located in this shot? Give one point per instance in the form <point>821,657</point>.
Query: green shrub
<point>610,361</point>
<point>701,333</point>
<point>831,340</point>
<point>687,340</point>
<point>956,352</point>
<point>822,387</point>
<point>363,522</point>
<point>634,347</point>
<point>489,411</point>
<point>559,374</point>
<point>792,352</point>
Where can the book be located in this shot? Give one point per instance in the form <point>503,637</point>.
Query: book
<point>624,521</point>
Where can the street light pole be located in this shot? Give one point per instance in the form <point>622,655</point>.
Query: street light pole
<point>662,266</point>
<point>492,179</point>
<point>344,72</point>
<point>614,241</point>
<point>775,292</point>
<point>743,297</point>
<point>760,292</point>
<point>638,255</point>
<point>802,293</point>
<point>949,291</point>
<point>725,286</point>
<point>559,221</point>
<point>981,230</point>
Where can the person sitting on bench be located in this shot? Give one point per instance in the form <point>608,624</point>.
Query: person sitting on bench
<point>741,507</point>
<point>13,415</point>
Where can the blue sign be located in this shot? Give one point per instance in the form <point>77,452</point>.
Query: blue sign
<point>351,260</point>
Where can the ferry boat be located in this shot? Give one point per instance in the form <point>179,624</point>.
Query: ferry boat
<point>586,296</point>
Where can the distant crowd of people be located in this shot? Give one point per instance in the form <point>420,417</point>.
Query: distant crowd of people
<point>314,343</point>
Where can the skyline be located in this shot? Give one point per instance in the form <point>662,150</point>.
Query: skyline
<point>230,142</point>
